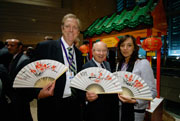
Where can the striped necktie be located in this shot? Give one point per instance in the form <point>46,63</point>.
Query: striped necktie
<point>102,65</point>
<point>72,66</point>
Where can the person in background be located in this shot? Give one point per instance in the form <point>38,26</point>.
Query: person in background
<point>20,106</point>
<point>5,109</point>
<point>29,52</point>
<point>133,109</point>
<point>4,53</point>
<point>5,102</point>
<point>5,106</point>
<point>1,44</point>
<point>48,38</point>
<point>58,101</point>
<point>15,47</point>
<point>100,107</point>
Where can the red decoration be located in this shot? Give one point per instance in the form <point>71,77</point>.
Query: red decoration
<point>84,48</point>
<point>138,42</point>
<point>151,44</point>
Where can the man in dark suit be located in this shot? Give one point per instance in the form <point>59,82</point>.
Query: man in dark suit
<point>5,110</point>
<point>5,56</point>
<point>15,47</point>
<point>100,107</point>
<point>19,107</point>
<point>4,87</point>
<point>57,101</point>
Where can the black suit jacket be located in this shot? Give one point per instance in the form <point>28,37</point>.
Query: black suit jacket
<point>20,108</point>
<point>4,110</point>
<point>5,56</point>
<point>91,63</point>
<point>105,108</point>
<point>52,49</point>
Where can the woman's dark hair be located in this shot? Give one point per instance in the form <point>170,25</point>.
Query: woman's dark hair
<point>134,56</point>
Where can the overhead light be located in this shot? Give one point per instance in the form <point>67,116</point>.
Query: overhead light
<point>154,57</point>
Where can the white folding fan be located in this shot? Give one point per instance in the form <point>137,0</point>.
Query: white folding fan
<point>97,80</point>
<point>133,85</point>
<point>39,73</point>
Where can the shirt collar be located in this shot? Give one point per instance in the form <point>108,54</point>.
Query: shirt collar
<point>97,63</point>
<point>65,44</point>
<point>14,56</point>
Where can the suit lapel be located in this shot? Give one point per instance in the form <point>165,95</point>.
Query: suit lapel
<point>59,52</point>
<point>14,63</point>
<point>78,59</point>
<point>94,64</point>
<point>61,81</point>
<point>61,58</point>
<point>106,66</point>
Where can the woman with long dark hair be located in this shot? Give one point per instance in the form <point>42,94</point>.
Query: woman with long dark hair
<point>133,109</point>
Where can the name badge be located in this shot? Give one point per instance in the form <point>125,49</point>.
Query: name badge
<point>71,75</point>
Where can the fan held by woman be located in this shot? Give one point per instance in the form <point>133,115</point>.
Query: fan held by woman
<point>133,85</point>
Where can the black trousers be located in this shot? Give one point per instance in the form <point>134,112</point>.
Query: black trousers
<point>59,109</point>
<point>127,112</point>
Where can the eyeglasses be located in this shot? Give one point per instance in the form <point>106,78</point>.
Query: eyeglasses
<point>68,27</point>
<point>99,51</point>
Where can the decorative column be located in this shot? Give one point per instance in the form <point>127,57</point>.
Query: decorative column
<point>90,48</point>
<point>158,68</point>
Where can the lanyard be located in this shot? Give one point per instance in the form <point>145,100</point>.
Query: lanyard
<point>124,67</point>
<point>69,61</point>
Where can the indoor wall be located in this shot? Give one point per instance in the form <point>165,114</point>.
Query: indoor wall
<point>30,21</point>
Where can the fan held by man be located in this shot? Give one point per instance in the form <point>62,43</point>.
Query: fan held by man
<point>97,80</point>
<point>39,73</point>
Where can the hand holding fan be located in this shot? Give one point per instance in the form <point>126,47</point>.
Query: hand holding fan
<point>133,85</point>
<point>39,73</point>
<point>97,80</point>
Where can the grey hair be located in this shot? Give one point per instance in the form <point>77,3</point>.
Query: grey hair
<point>99,42</point>
<point>70,15</point>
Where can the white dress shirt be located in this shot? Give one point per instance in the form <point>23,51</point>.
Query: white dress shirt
<point>69,75</point>
<point>98,64</point>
